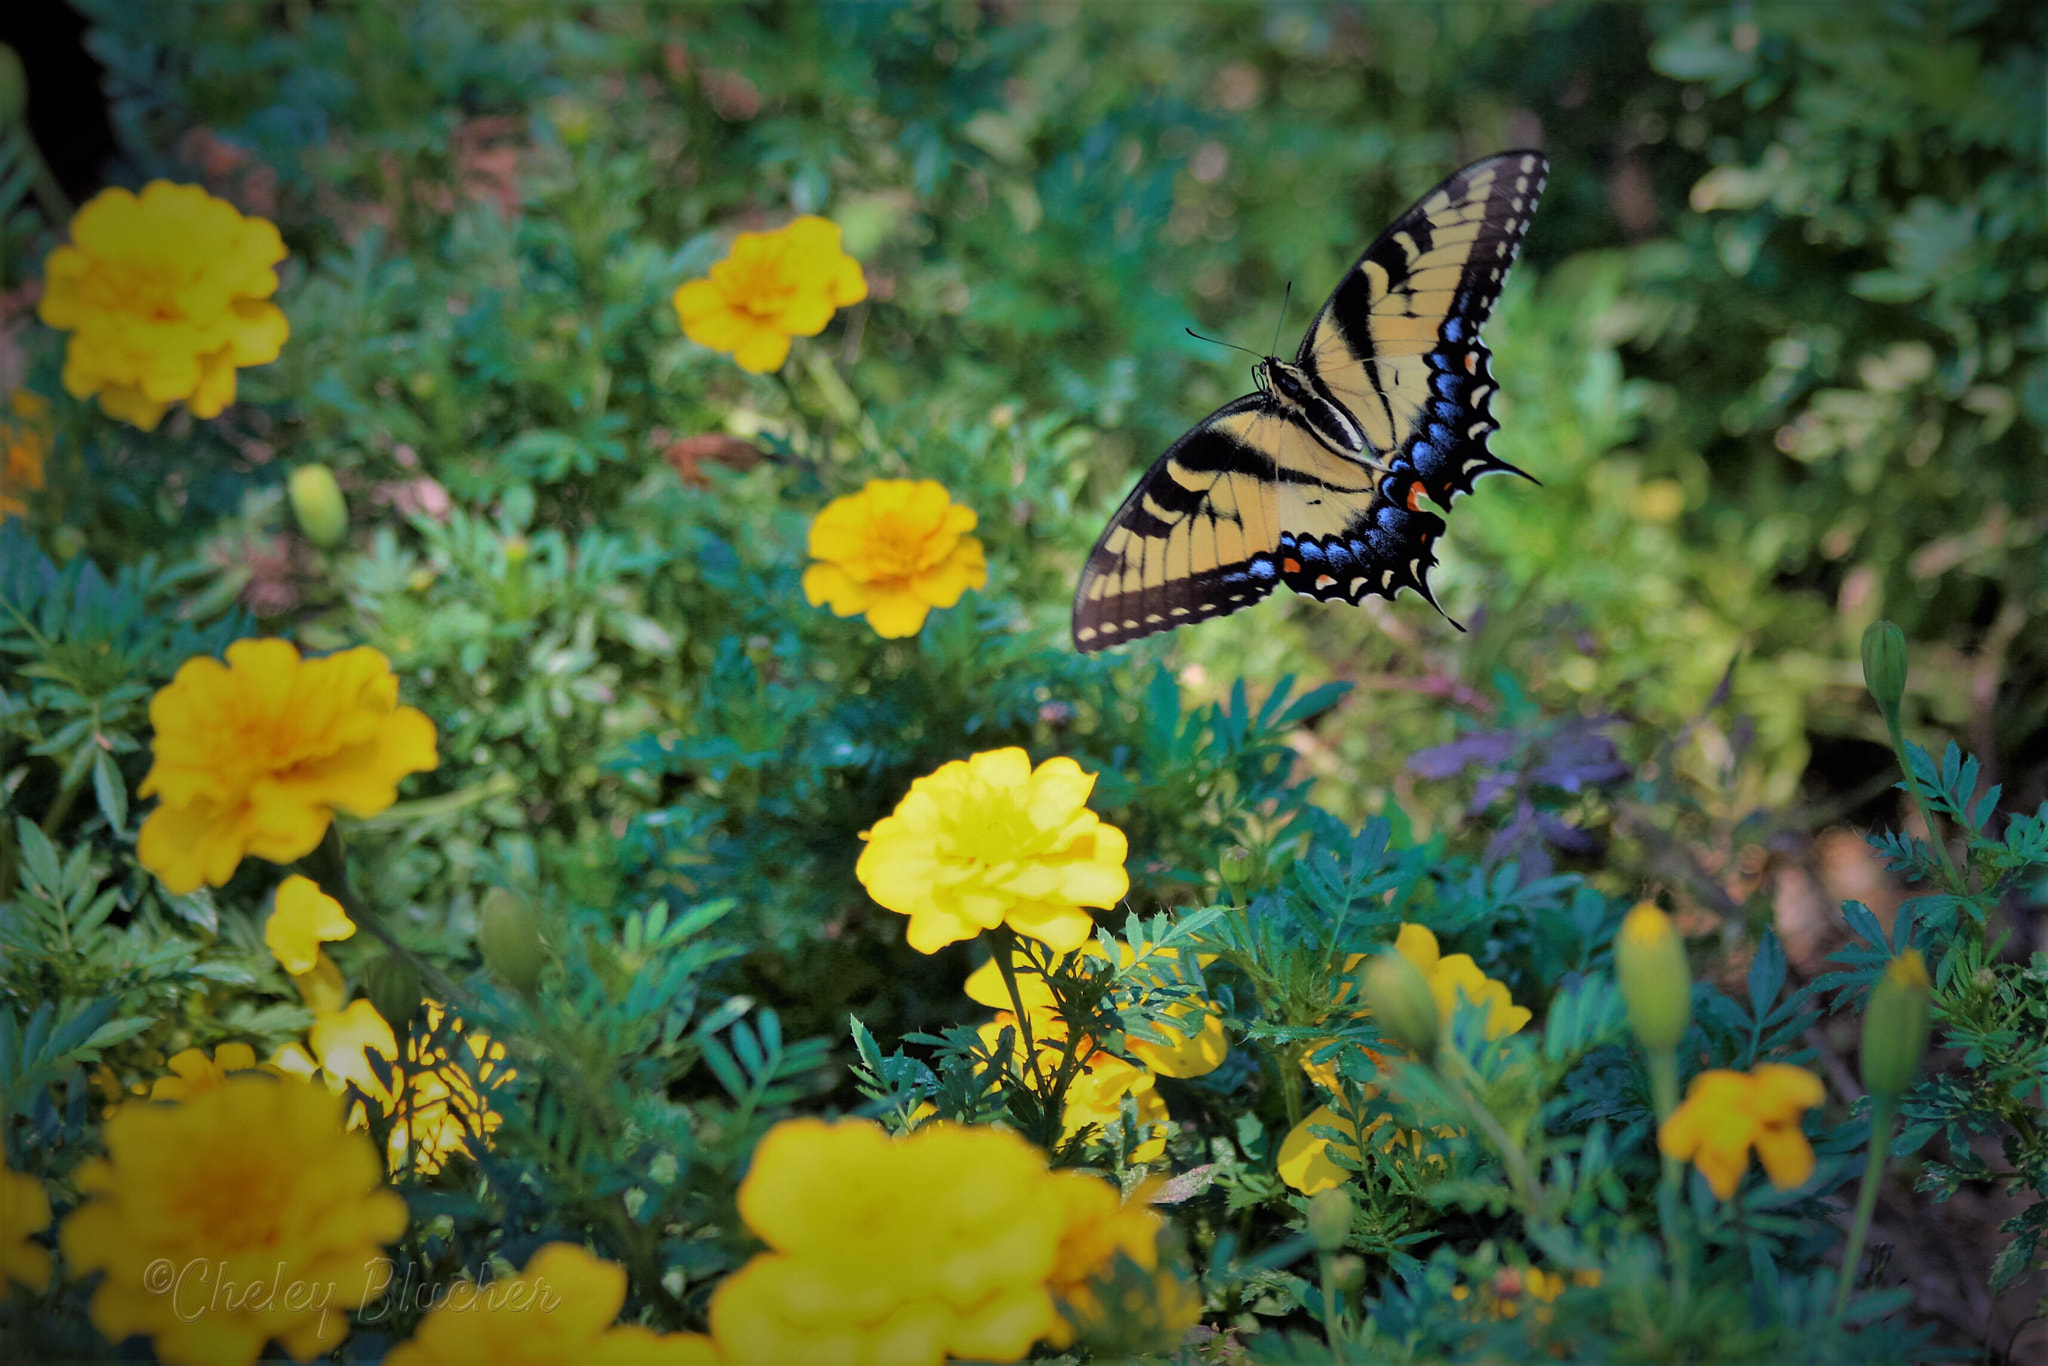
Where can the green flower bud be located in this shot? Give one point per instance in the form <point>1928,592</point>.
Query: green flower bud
<point>13,87</point>
<point>508,936</point>
<point>1649,959</point>
<point>1329,1219</point>
<point>393,985</point>
<point>1895,1025</point>
<point>1884,667</point>
<point>319,506</point>
<point>1347,1273</point>
<point>1394,991</point>
<point>1235,865</point>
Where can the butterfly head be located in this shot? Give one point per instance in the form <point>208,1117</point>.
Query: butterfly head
<point>1277,378</point>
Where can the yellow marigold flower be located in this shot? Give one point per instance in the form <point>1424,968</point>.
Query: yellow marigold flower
<point>303,919</point>
<point>24,445</point>
<point>1456,976</point>
<point>943,1242</point>
<point>323,988</point>
<point>436,1099</point>
<point>164,294</point>
<point>24,1210</point>
<point>773,286</point>
<point>558,1309</point>
<point>892,552</point>
<point>988,841</point>
<point>1099,1225</point>
<point>192,1071</point>
<point>247,1202</point>
<point>1196,1044</point>
<point>1727,1113</point>
<point>253,757</point>
<point>1304,1158</point>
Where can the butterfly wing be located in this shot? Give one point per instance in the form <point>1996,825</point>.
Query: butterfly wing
<point>1398,341</point>
<point>1246,500</point>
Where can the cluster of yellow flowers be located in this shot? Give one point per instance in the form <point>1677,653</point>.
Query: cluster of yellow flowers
<point>1195,1045</point>
<point>1304,1158</point>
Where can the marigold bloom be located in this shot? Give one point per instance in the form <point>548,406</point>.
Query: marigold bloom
<point>253,757</point>
<point>24,444</point>
<point>943,1242</point>
<point>164,294</point>
<point>1727,1113</point>
<point>989,840</point>
<point>24,1210</point>
<point>892,552</point>
<point>252,1181</point>
<point>558,1309</point>
<point>1304,1160</point>
<point>304,918</point>
<point>1448,979</point>
<point>192,1071</point>
<point>771,287</point>
<point>1099,1225</point>
<point>1195,1043</point>
<point>436,1097</point>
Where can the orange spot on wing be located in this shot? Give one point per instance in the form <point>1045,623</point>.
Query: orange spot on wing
<point>1415,498</point>
<point>1291,566</point>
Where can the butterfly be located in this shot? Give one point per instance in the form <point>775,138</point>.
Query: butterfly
<point>1317,480</point>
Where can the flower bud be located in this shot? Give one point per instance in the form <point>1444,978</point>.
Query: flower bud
<point>1329,1219</point>
<point>1649,960</point>
<point>1235,865</point>
<point>13,87</point>
<point>319,506</point>
<point>1394,991</point>
<point>1895,1025</point>
<point>1884,666</point>
<point>508,936</point>
<point>393,985</point>
<point>1347,1273</point>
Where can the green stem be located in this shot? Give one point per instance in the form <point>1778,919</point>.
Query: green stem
<point>425,808</point>
<point>1664,1095</point>
<point>327,865</point>
<point>1004,940</point>
<point>53,819</point>
<point>1883,1110</point>
<point>1333,1325</point>
<point>1520,1175</point>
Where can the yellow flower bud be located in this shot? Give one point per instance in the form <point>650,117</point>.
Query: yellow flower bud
<point>1649,960</point>
<point>508,936</point>
<point>1884,666</point>
<point>1329,1219</point>
<point>319,506</point>
<point>1399,998</point>
<point>392,983</point>
<point>1895,1025</point>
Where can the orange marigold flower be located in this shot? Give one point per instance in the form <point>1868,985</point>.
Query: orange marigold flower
<point>253,1180</point>
<point>1727,1113</point>
<point>253,757</point>
<point>773,286</point>
<point>24,445</point>
<point>892,552</point>
<point>989,840</point>
<point>164,294</point>
<point>303,919</point>
<point>24,1210</point>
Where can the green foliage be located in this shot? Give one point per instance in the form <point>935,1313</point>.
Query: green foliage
<point>1777,355</point>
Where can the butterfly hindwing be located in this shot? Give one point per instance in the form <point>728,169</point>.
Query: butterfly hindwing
<point>1398,341</point>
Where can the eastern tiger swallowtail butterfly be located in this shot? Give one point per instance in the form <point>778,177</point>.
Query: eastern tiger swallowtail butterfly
<point>1317,480</point>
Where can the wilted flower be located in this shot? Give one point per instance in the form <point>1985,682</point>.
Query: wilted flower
<point>773,286</point>
<point>1727,1113</point>
<point>164,295</point>
<point>988,841</point>
<point>304,918</point>
<point>24,1210</point>
<point>254,757</point>
<point>892,552</point>
<point>251,1181</point>
<point>24,445</point>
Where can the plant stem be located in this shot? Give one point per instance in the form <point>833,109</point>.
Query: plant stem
<point>1898,734</point>
<point>1333,1325</point>
<point>1664,1095</point>
<point>1883,1109</point>
<point>1520,1175</point>
<point>1004,940</point>
<point>327,865</point>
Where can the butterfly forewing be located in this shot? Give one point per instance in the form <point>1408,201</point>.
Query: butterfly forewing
<point>1398,341</point>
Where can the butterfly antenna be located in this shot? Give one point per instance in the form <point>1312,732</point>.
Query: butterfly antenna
<point>1214,342</point>
<point>1284,299</point>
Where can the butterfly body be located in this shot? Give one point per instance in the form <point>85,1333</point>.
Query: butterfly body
<point>1318,479</point>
